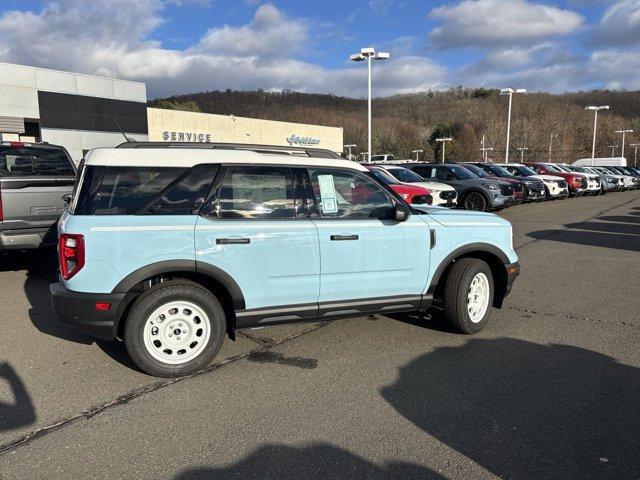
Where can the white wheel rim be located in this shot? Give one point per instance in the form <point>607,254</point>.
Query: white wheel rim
<point>478,297</point>
<point>176,332</point>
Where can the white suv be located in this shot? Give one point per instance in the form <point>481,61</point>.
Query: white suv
<point>443,195</point>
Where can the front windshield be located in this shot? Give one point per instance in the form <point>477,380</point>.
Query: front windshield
<point>405,175</point>
<point>499,171</point>
<point>553,168</point>
<point>462,173</point>
<point>383,177</point>
<point>476,171</point>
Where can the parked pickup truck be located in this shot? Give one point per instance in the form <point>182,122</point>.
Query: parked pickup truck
<point>171,248</point>
<point>34,178</point>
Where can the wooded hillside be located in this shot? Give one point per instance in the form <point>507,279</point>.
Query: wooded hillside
<point>406,122</point>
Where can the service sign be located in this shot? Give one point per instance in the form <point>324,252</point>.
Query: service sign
<point>186,137</point>
<point>294,139</point>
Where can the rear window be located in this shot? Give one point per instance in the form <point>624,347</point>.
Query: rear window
<point>143,191</point>
<point>29,161</point>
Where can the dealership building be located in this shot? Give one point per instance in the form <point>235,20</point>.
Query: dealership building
<point>81,112</point>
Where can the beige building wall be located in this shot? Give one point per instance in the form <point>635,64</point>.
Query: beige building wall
<point>177,126</point>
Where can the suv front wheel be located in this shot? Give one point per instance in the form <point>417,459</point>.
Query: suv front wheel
<point>468,295</point>
<point>174,328</point>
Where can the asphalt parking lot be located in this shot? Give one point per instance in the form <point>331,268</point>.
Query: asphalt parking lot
<point>550,389</point>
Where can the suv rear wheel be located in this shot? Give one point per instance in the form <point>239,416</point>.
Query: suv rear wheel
<point>175,328</point>
<point>468,295</point>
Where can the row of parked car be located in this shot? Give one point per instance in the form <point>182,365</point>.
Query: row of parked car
<point>488,186</point>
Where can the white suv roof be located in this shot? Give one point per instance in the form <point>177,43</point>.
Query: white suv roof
<point>188,157</point>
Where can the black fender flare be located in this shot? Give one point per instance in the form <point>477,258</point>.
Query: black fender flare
<point>461,251</point>
<point>190,266</point>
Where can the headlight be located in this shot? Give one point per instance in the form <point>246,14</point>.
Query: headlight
<point>491,186</point>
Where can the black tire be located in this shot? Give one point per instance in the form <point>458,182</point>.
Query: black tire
<point>155,297</point>
<point>475,201</point>
<point>456,291</point>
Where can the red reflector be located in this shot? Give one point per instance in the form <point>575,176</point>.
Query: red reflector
<point>16,144</point>
<point>102,306</point>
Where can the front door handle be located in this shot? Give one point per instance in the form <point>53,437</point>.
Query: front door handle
<point>338,238</point>
<point>232,241</point>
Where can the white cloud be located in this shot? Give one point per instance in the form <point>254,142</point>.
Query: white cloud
<point>112,38</point>
<point>490,23</point>
<point>620,25</point>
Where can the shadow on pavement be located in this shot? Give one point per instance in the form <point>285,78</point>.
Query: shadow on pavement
<point>41,268</point>
<point>18,412</point>
<point>315,462</point>
<point>526,411</point>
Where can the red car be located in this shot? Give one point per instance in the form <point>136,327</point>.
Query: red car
<point>577,182</point>
<point>410,193</point>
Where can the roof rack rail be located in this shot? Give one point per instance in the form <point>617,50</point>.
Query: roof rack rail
<point>300,151</point>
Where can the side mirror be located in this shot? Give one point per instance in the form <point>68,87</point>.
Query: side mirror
<point>401,212</point>
<point>67,198</point>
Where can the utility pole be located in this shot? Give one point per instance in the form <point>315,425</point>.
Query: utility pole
<point>595,110</point>
<point>353,145</point>
<point>623,132</point>
<point>443,141</point>
<point>613,150</point>
<point>510,92</point>
<point>522,150</point>
<point>553,135</point>
<point>635,153</point>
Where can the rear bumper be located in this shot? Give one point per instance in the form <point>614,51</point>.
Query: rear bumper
<point>21,239</point>
<point>78,310</point>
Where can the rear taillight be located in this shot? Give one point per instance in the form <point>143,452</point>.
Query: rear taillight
<point>71,253</point>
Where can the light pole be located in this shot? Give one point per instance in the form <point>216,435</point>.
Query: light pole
<point>369,54</point>
<point>553,135</point>
<point>595,110</point>
<point>522,150</point>
<point>417,152</point>
<point>613,150</point>
<point>510,92</point>
<point>443,141</point>
<point>485,153</point>
<point>364,156</point>
<point>353,145</point>
<point>623,132</point>
<point>635,153</point>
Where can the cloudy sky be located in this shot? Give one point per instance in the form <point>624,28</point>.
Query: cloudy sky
<point>181,46</point>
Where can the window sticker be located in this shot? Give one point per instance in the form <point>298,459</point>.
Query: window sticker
<point>327,194</point>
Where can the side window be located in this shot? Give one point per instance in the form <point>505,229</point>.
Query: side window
<point>345,194</point>
<point>443,173</point>
<point>184,195</point>
<point>424,172</point>
<point>256,193</point>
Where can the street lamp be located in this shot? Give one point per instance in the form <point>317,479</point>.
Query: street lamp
<point>369,54</point>
<point>510,92</point>
<point>553,135</point>
<point>613,150</point>
<point>522,150</point>
<point>635,153</point>
<point>417,152</point>
<point>443,141</point>
<point>485,153</point>
<point>623,132</point>
<point>353,145</point>
<point>595,127</point>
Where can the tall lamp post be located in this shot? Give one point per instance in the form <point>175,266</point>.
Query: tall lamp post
<point>623,132</point>
<point>417,152</point>
<point>353,145</point>
<point>635,153</point>
<point>369,54</point>
<point>485,153</point>
<point>553,135</point>
<point>613,150</point>
<point>510,92</point>
<point>522,150</point>
<point>595,110</point>
<point>443,141</point>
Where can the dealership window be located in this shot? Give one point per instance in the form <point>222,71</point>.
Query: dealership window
<point>256,193</point>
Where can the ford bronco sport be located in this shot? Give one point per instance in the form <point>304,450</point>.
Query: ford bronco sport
<point>170,247</point>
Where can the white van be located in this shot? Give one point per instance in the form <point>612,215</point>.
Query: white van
<point>601,162</point>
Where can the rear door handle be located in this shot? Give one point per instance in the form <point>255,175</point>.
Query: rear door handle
<point>232,241</point>
<point>338,238</point>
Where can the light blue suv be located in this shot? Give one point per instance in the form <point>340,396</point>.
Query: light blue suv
<point>171,247</point>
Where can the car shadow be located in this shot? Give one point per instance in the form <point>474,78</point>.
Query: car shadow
<point>432,319</point>
<point>19,411</point>
<point>41,270</point>
<point>526,411</point>
<point>314,462</point>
